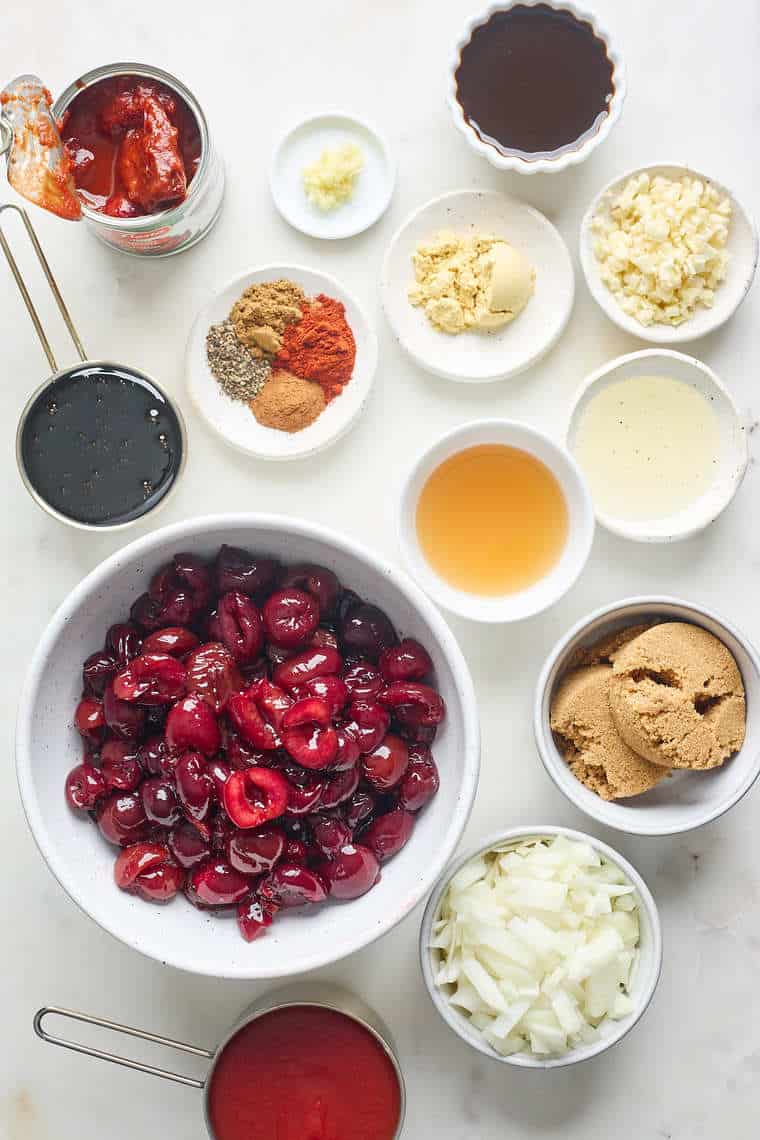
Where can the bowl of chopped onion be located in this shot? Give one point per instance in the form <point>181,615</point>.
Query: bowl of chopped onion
<point>542,947</point>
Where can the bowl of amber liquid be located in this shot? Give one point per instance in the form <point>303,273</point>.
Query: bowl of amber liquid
<point>496,521</point>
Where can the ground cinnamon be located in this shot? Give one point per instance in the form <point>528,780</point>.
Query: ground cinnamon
<point>320,346</point>
<point>287,402</point>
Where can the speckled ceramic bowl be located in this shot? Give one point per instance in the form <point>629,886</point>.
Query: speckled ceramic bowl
<point>685,800</point>
<point>47,746</point>
<point>645,976</point>
<point>550,164</point>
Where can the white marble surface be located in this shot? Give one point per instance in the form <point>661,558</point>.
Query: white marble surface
<point>691,1071</point>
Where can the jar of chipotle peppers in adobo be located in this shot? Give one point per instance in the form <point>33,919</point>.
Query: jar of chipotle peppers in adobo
<point>148,177</point>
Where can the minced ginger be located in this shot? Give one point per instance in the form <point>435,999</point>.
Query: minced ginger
<point>331,180</point>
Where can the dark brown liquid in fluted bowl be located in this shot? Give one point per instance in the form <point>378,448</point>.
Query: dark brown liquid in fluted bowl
<point>534,81</point>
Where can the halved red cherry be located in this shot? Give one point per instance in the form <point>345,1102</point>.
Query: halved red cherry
<point>388,833</point>
<point>160,801</point>
<point>332,690</point>
<point>386,764</point>
<point>351,872</point>
<point>308,735</point>
<point>97,671</point>
<point>254,916</point>
<point>363,680</point>
<point>84,787</point>
<point>421,779</point>
<point>191,724</point>
<point>368,722</point>
<point>255,852</point>
<point>254,796</point>
<point>150,679</point>
<point>305,666</point>
<point>120,765</point>
<point>318,581</point>
<point>304,797</point>
<point>290,617</point>
<point>240,626</point>
<point>216,884</point>
<point>213,675</point>
<point>413,702</point>
<point>187,845</point>
<point>236,569</point>
<point>160,884</point>
<point>348,752</point>
<point>174,640</point>
<point>136,860</point>
<point>330,834</point>
<point>195,786</point>
<point>339,787</point>
<point>290,884</point>
<point>125,719</point>
<point>407,661</point>
<point>90,719</point>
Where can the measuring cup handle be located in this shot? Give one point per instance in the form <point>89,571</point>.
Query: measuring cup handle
<point>17,277</point>
<point>127,1030</point>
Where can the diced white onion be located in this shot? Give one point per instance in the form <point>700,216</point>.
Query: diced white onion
<point>536,943</point>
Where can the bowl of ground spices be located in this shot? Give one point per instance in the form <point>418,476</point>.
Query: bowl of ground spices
<point>280,361</point>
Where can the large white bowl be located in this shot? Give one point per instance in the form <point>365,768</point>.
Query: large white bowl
<point>644,979</point>
<point>580,531</point>
<point>686,800</point>
<point>47,747</point>
<point>554,163</point>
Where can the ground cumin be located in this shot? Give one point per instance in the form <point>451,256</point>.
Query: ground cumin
<point>263,312</point>
<point>287,402</point>
<point>320,346</point>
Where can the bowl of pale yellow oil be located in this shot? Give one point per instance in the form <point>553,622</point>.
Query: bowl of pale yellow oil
<point>496,521</point>
<point>661,443</point>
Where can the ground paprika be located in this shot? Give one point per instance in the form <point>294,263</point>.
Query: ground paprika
<point>320,346</point>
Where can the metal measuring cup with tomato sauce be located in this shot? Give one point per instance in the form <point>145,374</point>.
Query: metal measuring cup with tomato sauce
<point>310,1060</point>
<point>148,177</point>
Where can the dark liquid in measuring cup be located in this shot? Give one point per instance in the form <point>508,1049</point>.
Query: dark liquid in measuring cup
<point>534,81</point>
<point>101,445</point>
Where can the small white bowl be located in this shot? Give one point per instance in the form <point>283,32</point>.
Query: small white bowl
<point>232,420</point>
<point>47,746</point>
<point>644,980</point>
<point>733,456</point>
<point>532,600</point>
<point>302,145</point>
<point>477,357</point>
<point>742,249</point>
<point>527,165</point>
<point>686,800</point>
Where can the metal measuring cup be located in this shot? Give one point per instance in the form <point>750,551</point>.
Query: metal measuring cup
<point>68,372</point>
<point>318,995</point>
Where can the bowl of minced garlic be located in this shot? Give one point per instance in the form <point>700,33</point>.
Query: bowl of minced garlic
<point>284,354</point>
<point>647,716</point>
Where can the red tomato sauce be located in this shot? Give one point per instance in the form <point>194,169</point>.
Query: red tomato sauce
<point>134,145</point>
<point>304,1073</point>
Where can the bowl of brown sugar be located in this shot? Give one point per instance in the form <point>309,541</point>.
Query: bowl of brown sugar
<point>280,361</point>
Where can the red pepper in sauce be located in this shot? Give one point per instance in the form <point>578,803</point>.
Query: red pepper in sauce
<point>134,146</point>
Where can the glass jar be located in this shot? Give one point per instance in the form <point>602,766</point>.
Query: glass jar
<point>179,227</point>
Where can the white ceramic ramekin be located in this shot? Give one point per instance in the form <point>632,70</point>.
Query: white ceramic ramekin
<point>566,158</point>
<point>645,976</point>
<point>686,800</point>
<point>733,455</point>
<point>47,746</point>
<point>542,594</point>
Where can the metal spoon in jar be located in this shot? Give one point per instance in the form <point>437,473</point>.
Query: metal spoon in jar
<point>38,166</point>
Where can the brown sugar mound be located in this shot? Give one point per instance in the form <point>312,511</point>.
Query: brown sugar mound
<point>263,312</point>
<point>589,741</point>
<point>677,697</point>
<point>605,651</point>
